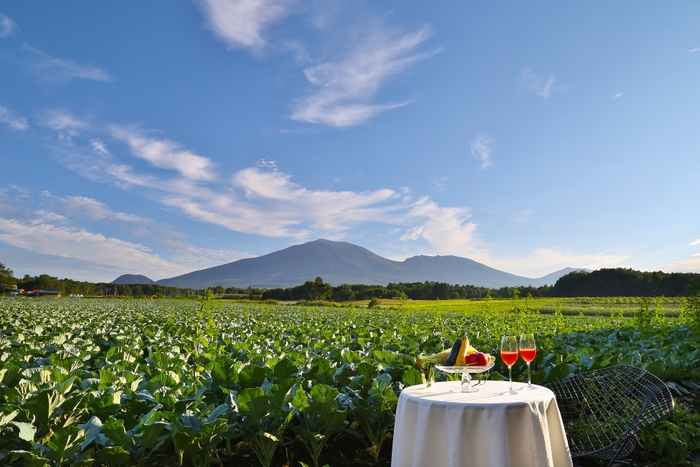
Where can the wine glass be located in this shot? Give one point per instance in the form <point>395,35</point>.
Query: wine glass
<point>509,355</point>
<point>528,350</point>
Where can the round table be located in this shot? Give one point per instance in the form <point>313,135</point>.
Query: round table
<point>437,427</point>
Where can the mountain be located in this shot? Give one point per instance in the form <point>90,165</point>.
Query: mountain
<point>132,279</point>
<point>344,263</point>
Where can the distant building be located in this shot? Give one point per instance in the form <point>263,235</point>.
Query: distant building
<point>49,293</point>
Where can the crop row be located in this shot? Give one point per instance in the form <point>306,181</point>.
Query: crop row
<point>124,382</point>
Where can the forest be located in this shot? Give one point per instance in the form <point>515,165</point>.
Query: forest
<point>618,282</point>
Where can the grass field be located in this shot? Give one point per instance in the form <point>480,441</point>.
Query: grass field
<point>588,306</point>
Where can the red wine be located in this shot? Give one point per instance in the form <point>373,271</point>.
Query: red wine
<point>528,354</point>
<point>509,358</point>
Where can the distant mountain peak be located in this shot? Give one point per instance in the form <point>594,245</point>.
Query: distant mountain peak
<point>132,279</point>
<point>345,263</point>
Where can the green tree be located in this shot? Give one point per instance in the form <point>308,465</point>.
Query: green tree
<point>316,290</point>
<point>6,276</point>
<point>343,293</point>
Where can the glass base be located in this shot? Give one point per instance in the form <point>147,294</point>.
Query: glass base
<point>466,385</point>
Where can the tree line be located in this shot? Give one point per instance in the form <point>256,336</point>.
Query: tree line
<point>623,282</point>
<point>619,282</point>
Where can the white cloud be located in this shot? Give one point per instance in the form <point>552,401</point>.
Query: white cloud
<point>544,261</point>
<point>696,242</point>
<point>439,184</point>
<point>266,164</point>
<point>347,87</point>
<point>46,228</point>
<point>525,216</point>
<point>61,120</point>
<point>7,26</point>
<point>618,95</point>
<point>240,23</point>
<point>268,203</point>
<point>259,200</point>
<point>481,149</point>
<point>13,121</point>
<point>445,229</point>
<point>541,86</point>
<point>690,264</point>
<point>695,50</point>
<point>165,154</point>
<point>99,147</point>
<point>47,238</point>
<point>60,70</point>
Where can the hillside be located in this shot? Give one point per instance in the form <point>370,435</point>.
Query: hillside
<point>132,279</point>
<point>344,263</point>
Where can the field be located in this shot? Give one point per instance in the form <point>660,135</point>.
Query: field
<point>588,306</point>
<point>144,382</point>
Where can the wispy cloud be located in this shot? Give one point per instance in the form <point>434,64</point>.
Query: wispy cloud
<point>7,26</point>
<point>240,23</point>
<point>447,230</point>
<point>165,154</point>
<point>689,264</point>
<point>525,216</point>
<point>546,260</point>
<point>695,50</point>
<point>259,200</point>
<point>99,147</point>
<point>13,121</point>
<point>439,184</point>
<point>65,124</point>
<point>540,85</point>
<point>345,88</point>
<point>46,237</point>
<point>696,242</point>
<point>59,70</point>
<point>618,95</point>
<point>61,120</point>
<point>43,224</point>
<point>481,148</point>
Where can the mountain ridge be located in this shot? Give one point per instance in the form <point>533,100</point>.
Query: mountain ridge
<point>345,263</point>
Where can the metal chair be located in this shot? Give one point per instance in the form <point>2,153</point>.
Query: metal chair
<point>605,410</point>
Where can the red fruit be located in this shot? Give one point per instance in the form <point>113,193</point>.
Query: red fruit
<point>477,359</point>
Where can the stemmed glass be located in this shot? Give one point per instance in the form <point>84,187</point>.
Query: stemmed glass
<point>528,350</point>
<point>509,355</point>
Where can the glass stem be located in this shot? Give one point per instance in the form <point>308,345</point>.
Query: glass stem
<point>529,379</point>
<point>510,377</point>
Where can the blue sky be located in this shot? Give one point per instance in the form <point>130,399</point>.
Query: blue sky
<point>163,137</point>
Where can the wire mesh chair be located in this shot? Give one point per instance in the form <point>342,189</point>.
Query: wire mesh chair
<point>605,410</point>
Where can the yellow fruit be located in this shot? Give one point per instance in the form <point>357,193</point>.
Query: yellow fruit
<point>462,355</point>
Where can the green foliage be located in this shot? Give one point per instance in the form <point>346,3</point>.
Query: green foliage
<point>669,441</point>
<point>6,277</point>
<point>690,311</point>
<point>117,382</point>
<point>623,282</point>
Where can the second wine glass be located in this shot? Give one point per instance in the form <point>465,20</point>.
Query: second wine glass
<point>528,350</point>
<point>509,355</point>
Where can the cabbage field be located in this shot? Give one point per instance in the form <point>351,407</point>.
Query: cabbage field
<point>169,382</point>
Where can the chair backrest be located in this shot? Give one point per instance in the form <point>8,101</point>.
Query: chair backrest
<point>602,409</point>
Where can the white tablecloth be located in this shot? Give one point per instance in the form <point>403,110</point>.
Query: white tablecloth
<point>436,427</point>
